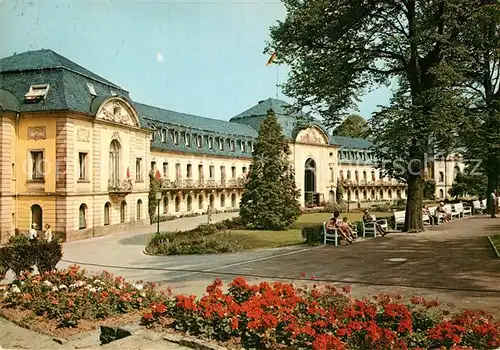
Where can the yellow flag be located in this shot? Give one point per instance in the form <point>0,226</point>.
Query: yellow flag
<point>272,58</point>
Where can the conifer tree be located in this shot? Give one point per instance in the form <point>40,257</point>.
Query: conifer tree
<point>269,201</point>
<point>154,187</point>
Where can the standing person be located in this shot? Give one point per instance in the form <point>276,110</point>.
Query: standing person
<point>209,214</point>
<point>48,233</point>
<point>493,204</point>
<point>33,235</point>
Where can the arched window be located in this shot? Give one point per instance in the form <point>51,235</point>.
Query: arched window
<point>199,141</point>
<point>177,204</point>
<point>165,205</point>
<point>365,195</point>
<point>222,200</point>
<point>139,209</point>
<point>364,175</point>
<point>189,202</point>
<point>175,137</point>
<point>211,201</point>
<point>83,217</point>
<point>348,174</point>
<point>331,196</point>
<point>373,175</point>
<point>356,194</point>
<point>373,194</point>
<point>441,193</point>
<point>398,194</point>
<point>232,145</point>
<point>106,213</point>
<point>114,162</point>
<point>441,176</point>
<point>221,144</point>
<point>389,194</point>
<point>123,211</point>
<point>36,216</point>
<point>189,171</point>
<point>356,175</point>
<point>210,143</point>
<point>381,193</point>
<point>200,201</point>
<point>187,139</point>
<point>243,146</point>
<point>163,135</point>
<point>341,175</point>
<point>233,200</point>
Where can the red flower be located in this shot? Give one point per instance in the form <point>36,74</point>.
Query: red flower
<point>234,323</point>
<point>159,308</point>
<point>347,289</point>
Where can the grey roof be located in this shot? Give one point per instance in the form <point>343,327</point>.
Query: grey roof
<point>8,102</point>
<point>350,142</point>
<point>46,59</point>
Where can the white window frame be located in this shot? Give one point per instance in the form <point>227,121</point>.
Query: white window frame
<point>243,146</point>
<point>82,166</point>
<point>210,143</point>
<point>221,144</point>
<point>232,145</point>
<point>138,172</point>
<point>199,141</point>
<point>187,139</point>
<point>91,89</point>
<point>175,137</point>
<point>32,165</point>
<point>37,91</point>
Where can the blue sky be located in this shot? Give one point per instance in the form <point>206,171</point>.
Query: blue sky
<point>197,57</point>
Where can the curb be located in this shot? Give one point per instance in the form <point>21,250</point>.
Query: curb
<point>494,247</point>
<point>192,343</point>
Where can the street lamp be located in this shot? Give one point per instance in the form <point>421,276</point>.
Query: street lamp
<point>158,197</point>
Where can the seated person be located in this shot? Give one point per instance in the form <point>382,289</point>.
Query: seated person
<point>335,222</point>
<point>368,218</point>
<point>353,232</point>
<point>442,210</point>
<point>433,220</point>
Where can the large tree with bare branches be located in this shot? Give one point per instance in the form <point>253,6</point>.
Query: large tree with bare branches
<point>338,49</point>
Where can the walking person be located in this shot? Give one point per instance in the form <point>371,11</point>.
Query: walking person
<point>33,235</point>
<point>493,204</point>
<point>48,233</point>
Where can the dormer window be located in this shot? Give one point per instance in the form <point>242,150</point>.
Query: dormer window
<point>163,135</point>
<point>232,145</point>
<point>187,139</point>
<point>243,146</point>
<point>199,141</point>
<point>210,142</point>
<point>37,92</point>
<point>113,93</point>
<point>221,144</point>
<point>175,137</point>
<point>91,89</point>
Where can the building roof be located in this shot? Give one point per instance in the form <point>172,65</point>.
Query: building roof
<point>46,59</point>
<point>8,102</point>
<point>350,142</point>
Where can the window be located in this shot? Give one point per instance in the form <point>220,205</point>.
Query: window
<point>165,205</point>
<point>211,171</point>
<point>332,175</point>
<point>200,172</point>
<point>189,171</point>
<point>243,148</point>
<point>82,166</point>
<point>221,144</point>
<point>200,201</point>
<point>114,162</point>
<point>83,220</point>
<point>187,139</point>
<point>244,170</point>
<point>112,92</point>
<point>37,92</point>
<point>189,203</point>
<point>178,174</point>
<point>223,173</point>
<point>356,175</point>
<point>139,209</point>
<point>152,137</point>
<point>232,145</point>
<point>348,174</point>
<point>222,200</point>
<point>233,200</point>
<point>364,175</point>
<point>91,89</point>
<point>210,142</point>
<point>163,135</point>
<point>165,170</point>
<point>177,204</point>
<point>233,172</point>
<point>341,175</point>
<point>138,169</point>
<point>175,137</point>
<point>123,212</point>
<point>106,213</point>
<point>37,165</point>
<point>199,141</point>
<point>441,177</point>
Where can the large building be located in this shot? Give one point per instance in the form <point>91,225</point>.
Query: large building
<point>76,152</point>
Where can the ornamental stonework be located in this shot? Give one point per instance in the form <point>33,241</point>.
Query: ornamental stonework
<point>116,113</point>
<point>311,136</point>
<point>83,135</point>
<point>37,133</point>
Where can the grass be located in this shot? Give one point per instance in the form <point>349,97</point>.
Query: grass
<point>255,239</point>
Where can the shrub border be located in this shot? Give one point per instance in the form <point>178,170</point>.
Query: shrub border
<point>494,247</point>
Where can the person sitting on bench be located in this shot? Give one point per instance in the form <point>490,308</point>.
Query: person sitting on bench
<point>335,222</point>
<point>353,232</point>
<point>368,218</point>
<point>433,220</point>
<point>446,215</point>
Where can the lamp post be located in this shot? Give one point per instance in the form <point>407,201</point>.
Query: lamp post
<point>158,197</point>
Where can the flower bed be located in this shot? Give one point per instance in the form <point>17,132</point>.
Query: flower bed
<point>72,297</point>
<point>277,315</point>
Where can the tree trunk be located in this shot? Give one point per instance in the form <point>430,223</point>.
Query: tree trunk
<point>413,218</point>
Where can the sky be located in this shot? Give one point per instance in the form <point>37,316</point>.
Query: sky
<point>198,57</point>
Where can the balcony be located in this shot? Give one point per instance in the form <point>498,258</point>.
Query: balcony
<point>201,184</point>
<point>118,189</point>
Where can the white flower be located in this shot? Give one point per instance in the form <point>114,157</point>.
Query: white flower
<point>55,289</point>
<point>142,294</point>
<point>63,287</point>
<point>121,286</point>
<point>15,289</point>
<point>97,281</point>
<point>47,283</point>
<point>138,286</point>
<point>80,283</point>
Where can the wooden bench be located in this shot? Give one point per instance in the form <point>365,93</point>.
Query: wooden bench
<point>399,219</point>
<point>454,213</point>
<point>477,208</point>
<point>461,210</point>
<point>438,215</point>
<point>330,235</point>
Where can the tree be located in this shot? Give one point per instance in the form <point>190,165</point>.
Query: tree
<point>337,49</point>
<point>353,126</point>
<point>269,201</point>
<point>340,193</point>
<point>154,187</point>
<point>469,183</point>
<point>481,130</point>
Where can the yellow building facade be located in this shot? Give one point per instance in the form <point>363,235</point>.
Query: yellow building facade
<point>76,154</point>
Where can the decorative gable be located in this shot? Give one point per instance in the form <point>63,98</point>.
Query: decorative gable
<point>118,111</point>
<point>312,135</point>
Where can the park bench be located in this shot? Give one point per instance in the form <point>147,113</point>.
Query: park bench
<point>455,211</point>
<point>432,211</point>
<point>453,214</point>
<point>329,236</point>
<point>477,207</point>
<point>399,219</point>
<point>462,210</point>
<point>369,228</point>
